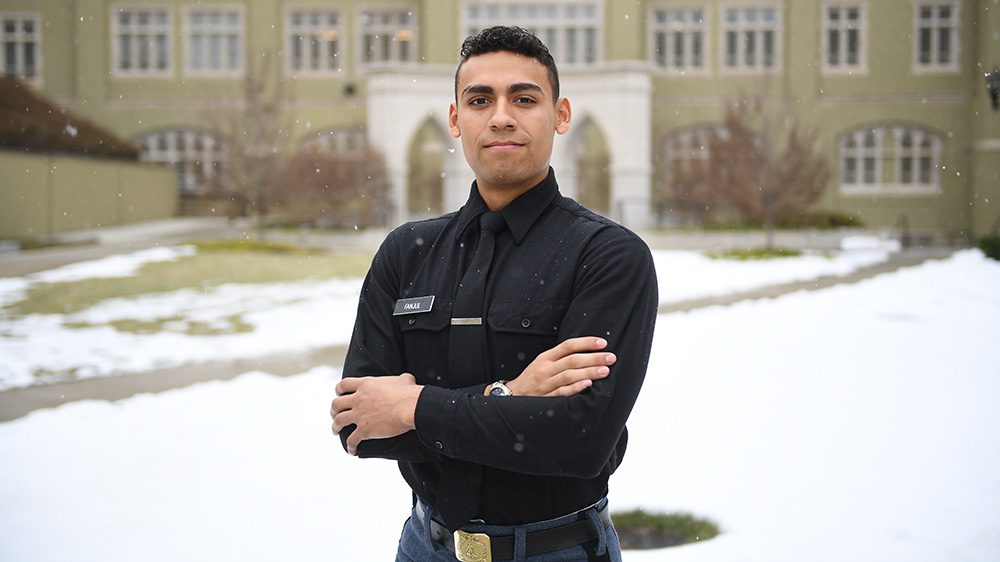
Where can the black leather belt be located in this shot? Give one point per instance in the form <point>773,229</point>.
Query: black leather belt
<point>536,542</point>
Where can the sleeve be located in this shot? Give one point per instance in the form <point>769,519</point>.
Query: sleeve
<point>376,350</point>
<point>615,297</point>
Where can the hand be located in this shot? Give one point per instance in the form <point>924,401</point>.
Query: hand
<point>380,407</point>
<point>566,369</point>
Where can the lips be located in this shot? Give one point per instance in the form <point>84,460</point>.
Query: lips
<point>503,144</point>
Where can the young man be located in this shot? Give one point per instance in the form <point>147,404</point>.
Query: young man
<point>481,357</point>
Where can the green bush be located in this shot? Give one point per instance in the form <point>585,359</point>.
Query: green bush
<point>31,123</point>
<point>990,245</point>
<point>822,220</point>
<point>753,254</point>
<point>638,529</point>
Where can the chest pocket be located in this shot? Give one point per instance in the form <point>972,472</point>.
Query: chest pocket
<point>520,330</point>
<point>538,318</point>
<point>424,343</point>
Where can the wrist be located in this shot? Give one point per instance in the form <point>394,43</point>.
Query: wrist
<point>410,408</point>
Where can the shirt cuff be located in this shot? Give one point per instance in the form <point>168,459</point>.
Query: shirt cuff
<point>435,418</point>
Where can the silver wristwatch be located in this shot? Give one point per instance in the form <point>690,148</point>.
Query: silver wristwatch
<point>498,388</point>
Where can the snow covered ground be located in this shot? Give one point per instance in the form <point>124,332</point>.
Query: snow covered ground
<point>286,317</point>
<point>857,423</point>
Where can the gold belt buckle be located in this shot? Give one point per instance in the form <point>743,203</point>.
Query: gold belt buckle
<point>473,547</point>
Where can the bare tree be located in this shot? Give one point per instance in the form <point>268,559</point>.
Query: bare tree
<point>765,177</point>
<point>330,187</point>
<point>256,132</point>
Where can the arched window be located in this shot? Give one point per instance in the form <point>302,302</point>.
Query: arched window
<point>889,159</point>
<point>198,156</point>
<point>347,141</point>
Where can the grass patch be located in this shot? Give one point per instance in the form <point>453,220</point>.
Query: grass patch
<point>249,245</point>
<point>233,324</point>
<point>639,529</point>
<point>200,271</point>
<point>753,254</point>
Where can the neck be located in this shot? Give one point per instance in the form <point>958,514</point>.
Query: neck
<point>497,197</point>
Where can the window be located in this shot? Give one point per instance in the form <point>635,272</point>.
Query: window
<point>314,43</point>
<point>889,159</point>
<point>351,141</point>
<point>141,41</point>
<point>571,30</point>
<point>214,41</point>
<point>843,30</point>
<point>677,39</point>
<point>20,36</point>
<point>751,39</point>
<point>937,36</point>
<point>388,35</point>
<point>198,156</point>
<point>686,153</point>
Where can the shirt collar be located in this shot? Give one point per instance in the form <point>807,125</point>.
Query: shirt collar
<point>519,215</point>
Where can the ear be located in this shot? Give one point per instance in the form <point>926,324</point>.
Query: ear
<point>563,115</point>
<point>453,121</point>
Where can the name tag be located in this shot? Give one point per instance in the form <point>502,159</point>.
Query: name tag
<point>413,306</point>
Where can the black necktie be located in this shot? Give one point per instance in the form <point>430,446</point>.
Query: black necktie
<point>458,494</point>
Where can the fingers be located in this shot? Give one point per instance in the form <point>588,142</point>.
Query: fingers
<point>342,420</point>
<point>570,390</point>
<point>574,345</point>
<point>348,385</point>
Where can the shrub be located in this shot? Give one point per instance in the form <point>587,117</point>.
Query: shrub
<point>638,529</point>
<point>990,245</point>
<point>753,254</point>
<point>31,123</point>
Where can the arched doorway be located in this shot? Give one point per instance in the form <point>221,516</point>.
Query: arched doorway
<point>425,172</point>
<point>593,164</point>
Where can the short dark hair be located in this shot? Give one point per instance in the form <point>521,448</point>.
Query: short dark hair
<point>513,39</point>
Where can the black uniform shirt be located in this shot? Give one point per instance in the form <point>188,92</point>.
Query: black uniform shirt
<point>559,271</point>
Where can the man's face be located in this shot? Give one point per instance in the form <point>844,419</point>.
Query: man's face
<point>505,115</point>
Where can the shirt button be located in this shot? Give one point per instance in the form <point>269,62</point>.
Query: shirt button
<point>412,321</point>
<point>525,323</point>
<point>439,445</point>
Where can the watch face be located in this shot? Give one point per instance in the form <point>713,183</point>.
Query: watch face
<point>497,391</point>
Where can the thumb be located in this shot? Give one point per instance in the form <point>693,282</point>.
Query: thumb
<point>410,378</point>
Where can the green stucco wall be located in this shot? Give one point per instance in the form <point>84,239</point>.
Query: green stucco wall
<point>42,195</point>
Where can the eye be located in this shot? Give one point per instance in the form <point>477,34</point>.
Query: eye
<point>478,101</point>
<point>524,100</point>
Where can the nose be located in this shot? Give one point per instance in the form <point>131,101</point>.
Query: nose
<point>502,117</point>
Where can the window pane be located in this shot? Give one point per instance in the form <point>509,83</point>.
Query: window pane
<point>906,169</point>
<point>925,46</point>
<point>214,52</point>
<point>590,44</point>
<point>661,48</point>
<point>850,170</point>
<point>944,45</point>
<point>314,51</point>
<point>197,51</point>
<point>678,50</point>
<point>143,45</point>
<point>161,52</point>
<point>833,47</point>
<point>235,56</point>
<point>750,48</point>
<point>296,49</point>
<point>853,49</point>
<point>925,170</point>
<point>124,52</point>
<point>730,48</point>
<point>696,49</point>
<point>869,170</point>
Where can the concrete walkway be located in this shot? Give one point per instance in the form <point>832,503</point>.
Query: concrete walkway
<point>19,402</point>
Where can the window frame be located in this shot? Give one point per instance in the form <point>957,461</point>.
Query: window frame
<point>706,42</point>
<point>861,68</point>
<point>187,11</point>
<point>953,65</point>
<point>342,42</point>
<point>21,16</point>
<point>113,30</point>
<point>216,147</point>
<point>559,25</point>
<point>361,30</point>
<point>888,154</point>
<point>779,39</point>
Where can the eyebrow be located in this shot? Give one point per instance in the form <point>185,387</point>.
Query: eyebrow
<point>516,87</point>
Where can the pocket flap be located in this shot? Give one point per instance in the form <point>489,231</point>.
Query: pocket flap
<point>527,317</point>
<point>435,320</point>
